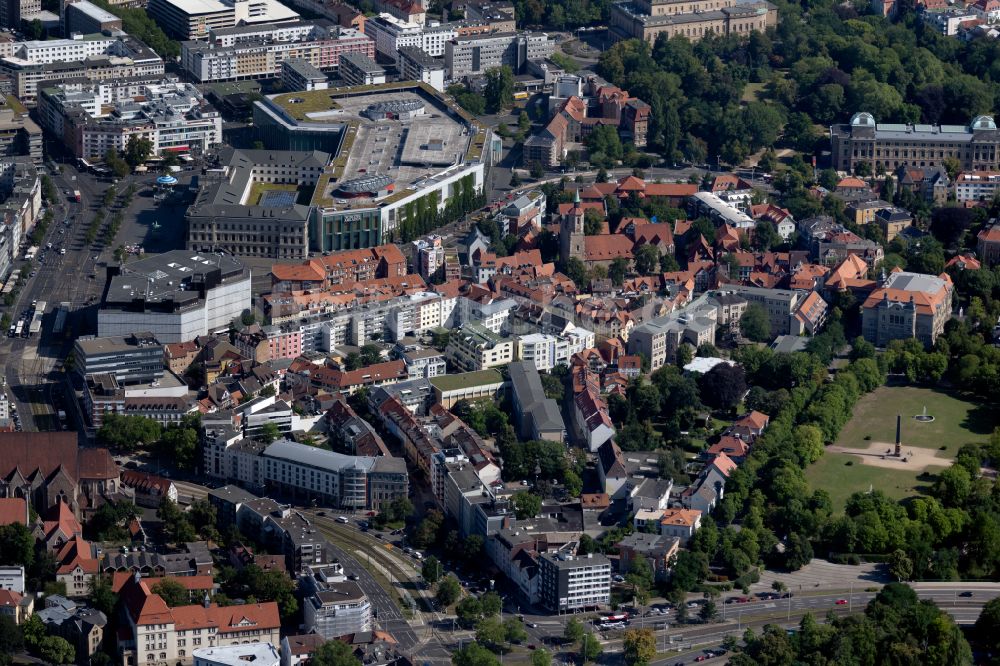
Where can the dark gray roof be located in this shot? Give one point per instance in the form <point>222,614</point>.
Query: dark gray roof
<point>527,385</point>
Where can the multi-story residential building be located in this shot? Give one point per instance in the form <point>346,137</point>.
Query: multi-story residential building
<point>416,65</point>
<point>646,19</point>
<point>94,57</point>
<point>358,482</point>
<point>892,221</point>
<point>977,185</point>
<point>424,363</point>
<point>299,74</point>
<point>193,19</point>
<point>332,605</point>
<point>230,214</point>
<point>656,549</point>
<point>907,305</point>
<point>889,146</point>
<point>154,634</point>
<point>475,347</point>
<point>537,416</point>
<point>475,54</point>
<point>81,626</point>
<point>568,582</point>
<point>358,69</point>
<point>391,33</point>
<point>250,52</point>
<point>719,211</point>
<point>135,358</point>
<point>176,296</point>
<point>680,523</point>
<point>988,244</point>
<point>790,311</point>
<point>173,116</point>
<point>660,338</point>
<point>428,256</point>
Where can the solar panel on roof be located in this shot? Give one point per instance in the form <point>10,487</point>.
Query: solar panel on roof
<point>953,129</point>
<point>277,199</point>
<point>924,128</point>
<point>891,127</point>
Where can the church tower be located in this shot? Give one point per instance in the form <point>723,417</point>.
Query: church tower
<point>571,232</point>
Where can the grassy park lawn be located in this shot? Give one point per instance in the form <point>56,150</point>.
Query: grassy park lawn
<point>832,474</point>
<point>956,422</point>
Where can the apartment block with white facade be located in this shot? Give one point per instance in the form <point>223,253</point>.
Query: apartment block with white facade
<point>569,582</point>
<point>172,115</point>
<point>252,52</point>
<point>391,33</point>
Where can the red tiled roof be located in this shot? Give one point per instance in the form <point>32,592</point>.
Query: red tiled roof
<point>13,510</point>
<point>670,189</point>
<point>308,271</point>
<point>754,419</point>
<point>607,247</point>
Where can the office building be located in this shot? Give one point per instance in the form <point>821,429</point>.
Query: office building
<point>153,633</point>
<point>176,296</point>
<point>332,605</point>
<point>193,19</point>
<point>86,18</point>
<point>94,57</point>
<point>416,65</point>
<point>568,583</point>
<point>402,150</point>
<point>646,19</point>
<point>14,12</point>
<point>907,305</point>
<point>259,51</point>
<point>135,358</point>
<point>889,145</point>
<point>299,74</point>
<point>391,34</point>
<point>475,54</point>
<point>248,207</point>
<point>172,115</point>
<point>357,69</point>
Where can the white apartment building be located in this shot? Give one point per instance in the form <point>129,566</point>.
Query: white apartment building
<point>332,605</point>
<point>250,52</point>
<point>977,185</point>
<point>391,33</point>
<point>63,50</point>
<point>172,115</point>
<point>415,65</point>
<point>548,351</point>
<point>475,347</point>
<point>568,582</point>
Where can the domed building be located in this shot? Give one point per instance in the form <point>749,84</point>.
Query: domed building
<point>891,145</point>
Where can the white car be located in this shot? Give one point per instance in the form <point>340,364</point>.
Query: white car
<point>342,519</point>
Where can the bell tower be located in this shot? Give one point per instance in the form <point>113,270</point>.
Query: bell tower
<point>571,232</point>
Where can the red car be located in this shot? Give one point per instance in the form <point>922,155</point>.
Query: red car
<point>841,602</point>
